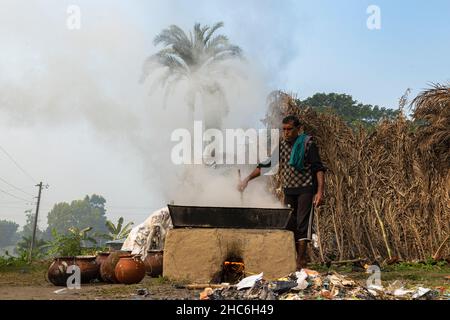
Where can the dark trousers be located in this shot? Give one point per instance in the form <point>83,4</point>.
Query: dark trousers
<point>299,222</point>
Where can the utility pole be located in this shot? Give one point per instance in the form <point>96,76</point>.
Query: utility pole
<point>35,220</point>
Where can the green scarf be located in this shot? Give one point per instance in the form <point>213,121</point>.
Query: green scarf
<point>298,152</point>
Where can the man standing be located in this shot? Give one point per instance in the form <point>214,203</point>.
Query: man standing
<point>302,179</point>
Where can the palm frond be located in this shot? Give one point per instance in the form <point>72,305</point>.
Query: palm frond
<point>171,36</point>
<point>212,30</point>
<point>217,41</point>
<point>188,55</point>
<point>152,62</point>
<point>175,38</point>
<point>172,62</point>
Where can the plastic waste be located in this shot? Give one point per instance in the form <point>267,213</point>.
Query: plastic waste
<point>282,286</point>
<point>301,276</point>
<point>420,292</point>
<point>249,282</point>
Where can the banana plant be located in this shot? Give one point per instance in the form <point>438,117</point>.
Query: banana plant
<point>118,232</point>
<point>70,244</point>
<point>82,234</point>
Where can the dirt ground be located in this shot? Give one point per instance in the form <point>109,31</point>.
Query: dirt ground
<point>30,283</point>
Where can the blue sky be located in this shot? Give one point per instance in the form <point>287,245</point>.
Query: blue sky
<point>300,46</point>
<point>324,46</point>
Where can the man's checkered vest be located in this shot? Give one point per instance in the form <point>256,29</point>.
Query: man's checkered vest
<point>290,177</point>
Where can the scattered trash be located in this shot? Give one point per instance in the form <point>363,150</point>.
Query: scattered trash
<point>375,290</point>
<point>401,292</point>
<point>310,285</point>
<point>326,294</point>
<point>59,291</point>
<point>339,280</point>
<point>301,280</point>
<point>421,292</point>
<point>282,286</point>
<point>291,296</point>
<point>311,273</point>
<point>249,281</point>
<point>204,295</point>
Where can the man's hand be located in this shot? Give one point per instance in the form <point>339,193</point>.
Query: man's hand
<point>242,185</point>
<point>318,199</point>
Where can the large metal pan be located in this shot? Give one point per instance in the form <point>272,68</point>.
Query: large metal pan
<point>229,217</point>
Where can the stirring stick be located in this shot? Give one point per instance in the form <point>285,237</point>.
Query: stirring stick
<point>242,192</point>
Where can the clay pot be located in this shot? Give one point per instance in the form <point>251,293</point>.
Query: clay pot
<point>108,266</point>
<point>101,257</point>
<point>154,263</point>
<point>57,272</point>
<point>130,270</point>
<point>88,267</point>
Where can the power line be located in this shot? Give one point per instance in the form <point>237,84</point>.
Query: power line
<point>16,207</point>
<point>17,165</point>
<point>11,195</point>
<point>17,188</point>
<point>11,202</point>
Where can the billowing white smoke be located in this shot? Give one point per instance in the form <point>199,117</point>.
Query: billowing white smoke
<point>51,75</point>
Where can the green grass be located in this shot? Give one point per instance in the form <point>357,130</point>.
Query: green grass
<point>161,280</point>
<point>410,273</point>
<point>414,266</point>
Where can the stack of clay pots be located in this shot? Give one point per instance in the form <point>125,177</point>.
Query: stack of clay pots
<point>110,267</point>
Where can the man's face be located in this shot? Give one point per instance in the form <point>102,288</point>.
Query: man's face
<point>290,132</point>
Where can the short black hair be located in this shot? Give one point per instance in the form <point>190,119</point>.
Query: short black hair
<point>292,119</point>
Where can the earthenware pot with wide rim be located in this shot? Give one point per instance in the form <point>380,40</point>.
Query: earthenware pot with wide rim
<point>130,270</point>
<point>154,263</point>
<point>57,272</point>
<point>108,266</point>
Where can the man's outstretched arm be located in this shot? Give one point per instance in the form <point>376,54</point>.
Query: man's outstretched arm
<point>243,184</point>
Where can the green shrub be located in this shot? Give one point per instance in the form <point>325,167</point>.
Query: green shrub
<point>70,244</point>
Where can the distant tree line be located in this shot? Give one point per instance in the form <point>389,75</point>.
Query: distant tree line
<point>351,111</point>
<point>83,222</point>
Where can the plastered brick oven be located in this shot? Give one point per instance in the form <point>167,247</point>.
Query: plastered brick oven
<point>207,243</point>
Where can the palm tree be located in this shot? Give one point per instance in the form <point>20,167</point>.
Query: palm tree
<point>197,58</point>
<point>117,232</point>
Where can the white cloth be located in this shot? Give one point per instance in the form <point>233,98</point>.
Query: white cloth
<point>149,235</point>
